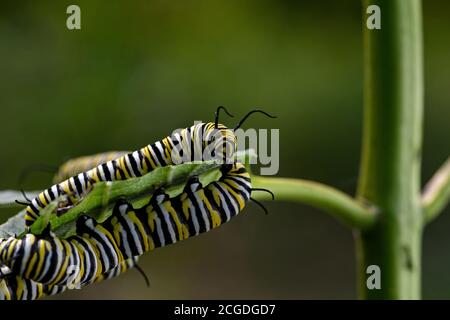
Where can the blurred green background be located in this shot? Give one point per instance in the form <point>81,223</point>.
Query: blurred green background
<point>138,70</point>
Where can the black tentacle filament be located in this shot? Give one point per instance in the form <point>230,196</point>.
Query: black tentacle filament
<point>216,121</point>
<point>250,113</point>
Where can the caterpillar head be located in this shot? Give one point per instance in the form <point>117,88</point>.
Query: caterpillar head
<point>219,143</point>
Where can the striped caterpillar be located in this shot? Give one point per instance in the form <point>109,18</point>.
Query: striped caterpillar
<point>41,263</point>
<point>100,247</point>
<point>14,287</point>
<point>213,139</point>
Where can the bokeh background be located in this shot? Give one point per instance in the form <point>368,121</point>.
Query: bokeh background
<point>139,69</point>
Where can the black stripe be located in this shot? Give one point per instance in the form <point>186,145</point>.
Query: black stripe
<point>106,172</point>
<point>237,190</point>
<point>53,267</point>
<point>118,171</point>
<point>147,161</point>
<point>226,198</point>
<point>78,184</point>
<point>87,180</point>
<point>45,197</point>
<point>59,190</point>
<point>125,167</point>
<point>154,234</point>
<point>197,212</point>
<point>141,160</point>
<point>12,285</point>
<point>209,194</point>
<point>164,225</point>
<point>34,250</point>
<point>143,218</point>
<point>178,233</point>
<point>50,193</point>
<point>158,154</point>
<point>111,256</point>
<point>134,165</point>
<point>88,256</point>
<point>40,204</point>
<point>17,256</point>
<point>129,237</point>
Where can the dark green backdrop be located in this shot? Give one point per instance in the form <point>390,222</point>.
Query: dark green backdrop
<point>140,69</point>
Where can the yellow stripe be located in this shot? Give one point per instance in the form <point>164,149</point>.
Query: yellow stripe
<point>214,216</point>
<point>185,205</point>
<point>183,232</point>
<point>153,160</point>
<point>19,291</point>
<point>41,260</point>
<point>151,218</point>
<point>117,227</point>
<point>30,265</point>
<point>123,166</point>
<point>11,248</point>
<point>5,289</point>
<point>137,223</point>
<point>65,262</point>
<point>99,264</point>
<point>143,162</point>
<point>42,198</point>
<point>65,186</point>
<point>94,175</point>
<point>40,290</point>
<point>112,241</point>
<point>82,266</point>
<point>236,196</point>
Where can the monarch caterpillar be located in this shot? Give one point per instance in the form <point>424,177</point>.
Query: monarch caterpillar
<point>80,164</point>
<point>13,287</point>
<point>189,143</point>
<point>100,247</point>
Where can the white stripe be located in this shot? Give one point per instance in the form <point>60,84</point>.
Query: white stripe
<point>222,203</point>
<point>59,258</point>
<point>82,181</point>
<point>55,191</point>
<point>169,224</point>
<point>34,291</point>
<point>135,155</point>
<point>229,196</point>
<point>203,211</point>
<point>35,204</point>
<point>125,244</point>
<point>26,255</point>
<point>128,166</point>
<point>111,169</point>
<point>123,233</point>
<point>154,157</point>
<point>160,232</point>
<point>101,173</point>
<point>134,233</point>
<point>103,250</point>
<point>194,217</point>
<point>47,262</point>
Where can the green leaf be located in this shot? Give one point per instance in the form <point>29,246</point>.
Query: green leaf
<point>99,202</point>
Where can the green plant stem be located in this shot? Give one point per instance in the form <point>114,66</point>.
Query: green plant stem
<point>317,195</point>
<point>391,150</point>
<point>436,193</point>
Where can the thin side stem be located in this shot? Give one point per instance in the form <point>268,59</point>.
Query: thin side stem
<point>436,193</point>
<point>317,195</point>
